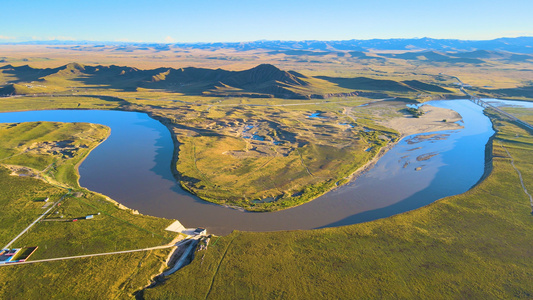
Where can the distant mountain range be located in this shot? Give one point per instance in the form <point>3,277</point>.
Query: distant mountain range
<point>262,81</point>
<point>516,45</point>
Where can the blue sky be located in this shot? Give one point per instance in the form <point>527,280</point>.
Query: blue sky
<point>249,20</point>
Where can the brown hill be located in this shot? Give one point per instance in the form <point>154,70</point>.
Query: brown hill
<point>262,81</point>
<point>384,85</point>
<point>8,90</point>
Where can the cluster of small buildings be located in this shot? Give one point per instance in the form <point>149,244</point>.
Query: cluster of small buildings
<point>16,255</point>
<point>200,231</point>
<point>7,255</point>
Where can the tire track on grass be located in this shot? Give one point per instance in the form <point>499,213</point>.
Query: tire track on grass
<point>218,267</point>
<point>520,176</point>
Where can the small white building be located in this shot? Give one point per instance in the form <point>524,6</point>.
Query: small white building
<point>200,231</point>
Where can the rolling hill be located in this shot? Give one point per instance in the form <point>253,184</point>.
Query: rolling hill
<point>370,84</point>
<point>262,81</point>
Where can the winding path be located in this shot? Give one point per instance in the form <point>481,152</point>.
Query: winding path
<point>35,222</point>
<point>87,255</point>
<point>96,254</point>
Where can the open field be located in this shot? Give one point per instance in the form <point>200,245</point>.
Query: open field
<point>57,102</point>
<point>48,151</point>
<point>474,245</point>
<point>114,229</point>
<point>106,277</point>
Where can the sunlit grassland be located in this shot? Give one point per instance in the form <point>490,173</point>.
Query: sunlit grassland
<point>524,114</point>
<point>21,203</point>
<point>474,245</point>
<point>31,145</point>
<point>111,228</point>
<point>103,277</point>
<point>56,102</point>
<point>270,158</point>
<point>53,150</point>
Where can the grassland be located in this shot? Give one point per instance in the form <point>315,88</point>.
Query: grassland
<point>57,102</point>
<point>217,157</point>
<point>47,155</point>
<point>229,148</point>
<point>271,157</point>
<point>475,245</point>
<point>49,151</point>
<point>107,277</point>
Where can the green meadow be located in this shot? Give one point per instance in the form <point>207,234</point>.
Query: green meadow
<point>274,157</point>
<point>33,168</point>
<point>51,151</point>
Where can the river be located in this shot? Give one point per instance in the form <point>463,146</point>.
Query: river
<point>133,167</point>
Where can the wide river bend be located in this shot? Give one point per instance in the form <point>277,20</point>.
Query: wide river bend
<point>133,167</point>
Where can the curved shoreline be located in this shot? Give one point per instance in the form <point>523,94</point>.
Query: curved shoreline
<point>339,206</point>
<point>350,178</point>
<point>78,164</point>
<point>177,175</point>
<point>77,169</point>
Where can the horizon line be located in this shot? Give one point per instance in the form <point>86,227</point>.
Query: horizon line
<point>44,41</point>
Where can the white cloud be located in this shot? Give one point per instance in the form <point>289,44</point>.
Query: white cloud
<point>3,37</point>
<point>169,39</point>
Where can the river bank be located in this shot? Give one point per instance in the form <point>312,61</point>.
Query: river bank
<point>132,167</point>
<point>439,250</point>
<point>430,121</point>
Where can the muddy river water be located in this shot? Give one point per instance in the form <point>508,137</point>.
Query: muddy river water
<point>133,167</point>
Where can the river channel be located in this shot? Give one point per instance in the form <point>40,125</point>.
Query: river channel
<point>133,167</point>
